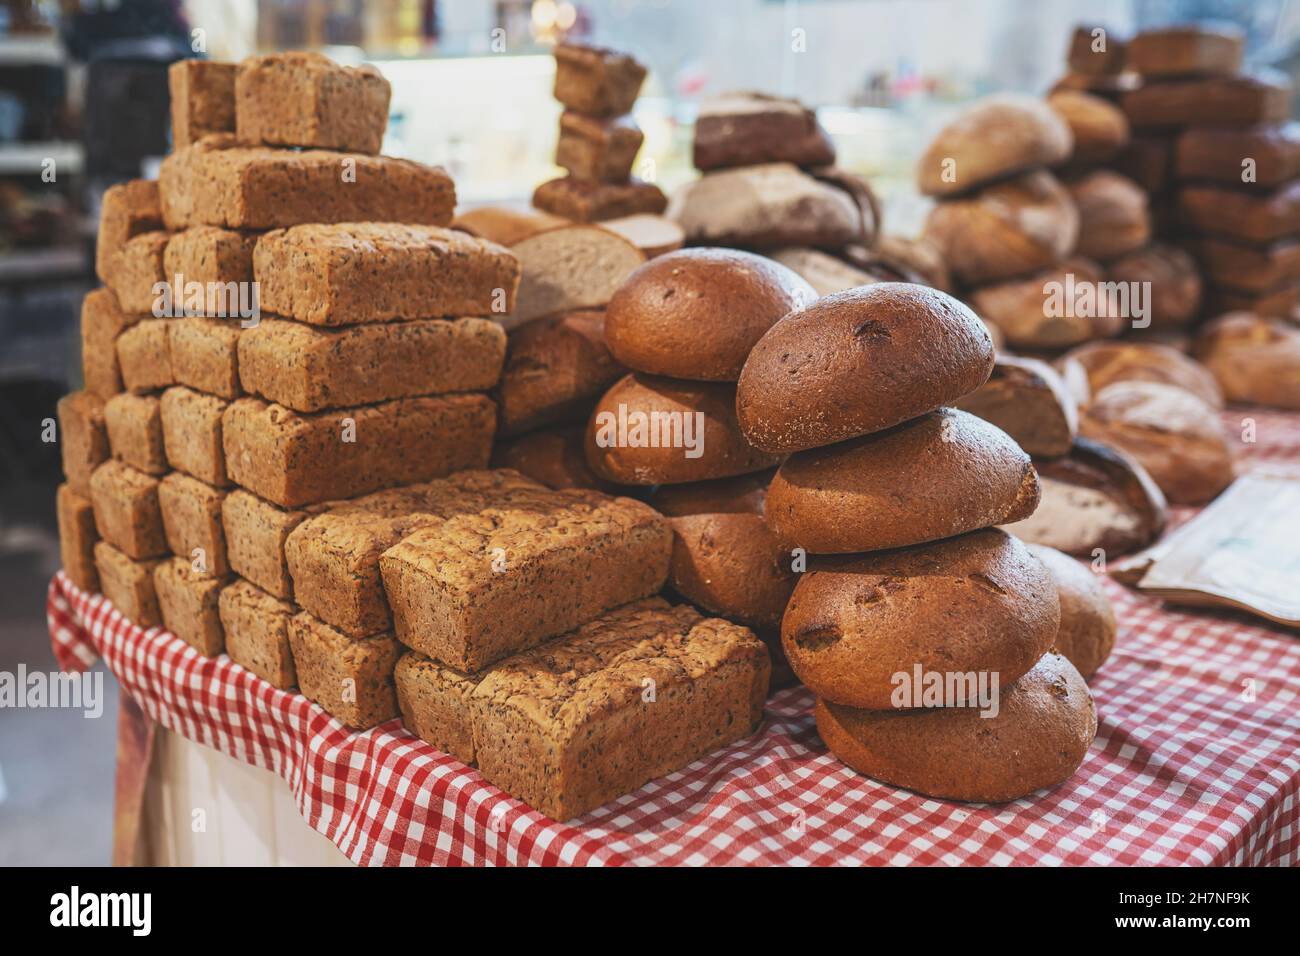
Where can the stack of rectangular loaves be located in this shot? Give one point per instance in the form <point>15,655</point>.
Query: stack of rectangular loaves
<point>286,382</point>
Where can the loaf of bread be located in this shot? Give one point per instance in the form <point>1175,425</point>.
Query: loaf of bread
<point>1008,229</point>
<point>83,438</point>
<point>309,369</point>
<point>189,605</point>
<point>127,514</point>
<point>136,272</point>
<point>479,587</point>
<point>557,367</point>
<point>292,460</point>
<point>256,626</point>
<point>1041,732</point>
<point>595,80</point>
<point>202,99</point>
<point>1043,311</point>
<point>826,273</point>
<point>697,313</point>
<point>1029,401</point>
<point>652,234</point>
<point>101,323</point>
<point>994,138</point>
<point>1270,153</point>
<point>818,380</point>
<point>1256,269</point>
<point>191,515</point>
<point>584,200</point>
<point>191,425</point>
<point>208,254</point>
<point>301,98</point>
<point>1247,217</point>
<point>1171,275</point>
<point>135,431</point>
<point>129,585</point>
<point>350,273</point>
<point>936,476</point>
<point>1099,128</point>
<point>1190,49</point>
<point>352,680</point>
<point>1109,86</point>
<point>634,695</point>
<point>1279,303</point>
<point>205,354</point>
<point>1104,363</point>
<point>748,128</point>
<point>1245,99</point>
<point>77,537</point>
<point>1113,218</point>
<point>1088,627</point>
<point>1255,359</point>
<point>1096,497</point>
<point>144,356</point>
<point>556,457</point>
<point>126,210</point>
<point>649,430</point>
<point>218,182</point>
<point>437,704</point>
<point>978,603</point>
<point>597,149</point>
<point>256,532</point>
<point>1097,51</point>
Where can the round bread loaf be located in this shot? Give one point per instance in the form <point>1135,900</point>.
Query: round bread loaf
<point>648,430</point>
<point>942,474</point>
<point>1108,362</point>
<point>554,456</point>
<point>1039,312</point>
<point>1100,128</point>
<point>743,494</point>
<point>996,137</point>
<point>1175,282</point>
<point>1256,359</point>
<point>1044,725</point>
<point>1009,229</point>
<point>1113,217</point>
<point>857,362</point>
<point>1088,627</point>
<point>857,627</point>
<point>696,313</point>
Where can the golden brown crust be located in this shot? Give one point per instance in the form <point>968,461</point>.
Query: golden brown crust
<point>83,438</point>
<point>557,457</point>
<point>351,679</point>
<point>1244,99</point>
<point>204,354</point>
<point>1246,217</point>
<point>1188,49</point>
<point>191,424</point>
<point>101,323</point>
<point>126,210</point>
<point>189,605</point>
<point>1108,362</point>
<point>1217,154</point>
<point>129,584</point>
<point>202,99</point>
<point>191,514</point>
<point>1088,626</point>
<point>1019,308</point>
<point>1113,218</point>
<point>257,632</point>
<point>595,80</point>
<point>1029,401</point>
<point>1175,282</point>
<point>1100,129</point>
<point>1255,359</point>
<point>586,201</point>
<point>135,432</point>
<point>126,510</point>
<point>144,356</point>
<point>77,537</point>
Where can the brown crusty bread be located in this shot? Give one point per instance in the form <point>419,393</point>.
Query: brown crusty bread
<point>1255,359</point>
<point>1100,128</point>
<point>135,431</point>
<point>744,127</point>
<point>1244,268</point>
<point>257,632</point>
<point>595,80</point>
<point>942,474</point>
<point>436,704</point>
<point>1096,50</point>
<point>101,323</point>
<point>189,605</point>
<point>556,457</point>
<point>191,515</point>
<point>997,136</point>
<point>202,94</point>
<point>77,537</point>
<point>977,603</point>
<point>696,313</point>
<point>1247,217</point>
<point>1216,154</point>
<point>1105,363</point>
<point>83,438</point>
<point>1243,99</point>
<point>857,362</point>
<point>634,459</point>
<point>1188,49</point>
<point>1019,308</point>
<point>585,201</point>
<point>256,532</point>
<point>1088,625</point>
<point>636,694</point>
<point>1045,723</point>
<point>191,425</point>
<point>352,679</point>
<point>1173,277</point>
<point>127,514</point>
<point>125,211</point>
<point>1029,401</point>
<point>128,584</point>
<point>1113,217</point>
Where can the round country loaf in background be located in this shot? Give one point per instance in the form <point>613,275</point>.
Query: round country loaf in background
<point>858,626</point>
<point>1255,359</point>
<point>857,362</point>
<point>1031,402</point>
<point>1088,627</point>
<point>696,313</point>
<point>1044,725</point>
<point>1009,229</point>
<point>942,474</point>
<point>555,456</point>
<point>1032,316</point>
<point>1100,128</point>
<point>1105,363</point>
<point>1174,277</point>
<point>997,136</point>
<point>1113,216</point>
<point>649,430</point>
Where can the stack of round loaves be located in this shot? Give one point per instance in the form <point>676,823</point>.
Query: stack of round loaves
<point>926,634</point>
<point>684,323</point>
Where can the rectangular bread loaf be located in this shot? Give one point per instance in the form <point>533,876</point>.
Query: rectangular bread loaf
<point>101,323</point>
<point>126,210</point>
<point>77,537</point>
<point>436,704</point>
<point>135,431</point>
<point>595,80</point>
<point>1269,153</point>
<point>83,438</point>
<point>1246,99</point>
<point>292,460</point>
<point>351,679</point>
<point>144,356</point>
<point>257,632</point>
<point>202,99</point>
<point>639,693</point>
<point>600,150</point>
<point>308,368</point>
<point>1254,269</point>
<point>351,273</point>
<point>1280,303</point>
<point>209,254</point>
<point>1253,217</point>
<point>191,513</point>
<point>127,514</point>
<point>303,98</point>
<point>256,532</point>
<point>204,354</point>
<point>137,269</point>
<point>480,587</point>
<point>218,182</point>
<point>189,605</point>
<point>191,424</point>
<point>585,201</point>
<point>128,584</point>
<point>333,557</point>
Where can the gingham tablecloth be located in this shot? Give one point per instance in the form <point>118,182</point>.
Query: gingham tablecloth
<point>1196,761</point>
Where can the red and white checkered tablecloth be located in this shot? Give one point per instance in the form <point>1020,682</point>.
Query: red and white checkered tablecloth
<point>1196,761</point>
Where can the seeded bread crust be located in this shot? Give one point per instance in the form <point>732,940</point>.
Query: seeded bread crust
<point>636,694</point>
<point>595,80</point>
<point>218,182</point>
<point>209,254</point>
<point>480,587</point>
<point>256,532</point>
<point>77,537</point>
<point>127,210</point>
<point>292,460</point>
<point>351,679</point>
<point>144,356</point>
<point>436,704</point>
<point>136,271</point>
<point>127,514</point>
<point>129,584</point>
<point>257,632</point>
<point>191,423</point>
<point>83,438</point>
<point>189,605</point>
<point>101,323</point>
<point>202,99</point>
<point>135,432</point>
<point>191,513</point>
<point>309,369</point>
<point>204,354</point>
